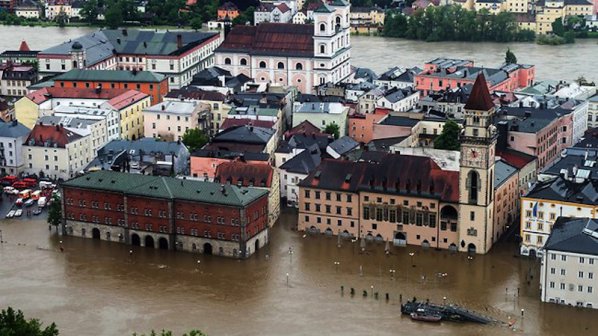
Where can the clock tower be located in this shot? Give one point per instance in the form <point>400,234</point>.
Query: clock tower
<point>476,175</point>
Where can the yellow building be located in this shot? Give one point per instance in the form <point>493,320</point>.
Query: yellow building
<point>517,6</point>
<point>26,111</point>
<point>362,17</point>
<point>130,106</point>
<point>550,11</point>
<point>492,6</point>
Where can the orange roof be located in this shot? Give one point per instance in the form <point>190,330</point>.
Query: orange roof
<point>52,135</point>
<point>24,46</point>
<point>234,172</point>
<point>128,98</point>
<point>41,95</point>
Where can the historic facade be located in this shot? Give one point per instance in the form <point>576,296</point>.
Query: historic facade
<point>166,212</point>
<point>300,55</point>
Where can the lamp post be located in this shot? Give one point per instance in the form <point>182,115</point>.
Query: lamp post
<point>291,254</point>
<point>392,273</point>
<point>287,279</point>
<point>337,263</point>
<point>411,254</point>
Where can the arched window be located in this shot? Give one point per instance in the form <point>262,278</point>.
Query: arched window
<point>262,64</point>
<point>322,48</point>
<point>473,186</point>
<point>338,20</point>
<point>280,65</point>
<point>243,61</point>
<point>298,66</point>
<point>322,27</point>
<point>227,61</point>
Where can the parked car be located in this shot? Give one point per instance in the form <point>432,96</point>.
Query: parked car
<point>10,214</point>
<point>37,211</point>
<point>8,180</point>
<point>10,190</point>
<point>19,202</point>
<point>42,202</point>
<point>18,213</point>
<point>29,202</point>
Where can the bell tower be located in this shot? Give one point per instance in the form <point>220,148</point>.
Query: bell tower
<point>476,175</point>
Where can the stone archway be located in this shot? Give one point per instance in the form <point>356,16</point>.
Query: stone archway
<point>135,240</point>
<point>163,243</point>
<point>328,232</point>
<point>471,248</point>
<point>95,234</point>
<point>453,247</point>
<point>400,239</point>
<point>207,248</point>
<point>256,245</point>
<point>426,244</point>
<point>532,253</point>
<point>149,241</point>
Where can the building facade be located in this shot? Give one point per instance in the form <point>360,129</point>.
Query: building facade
<point>171,119</point>
<point>310,55</point>
<point>166,212</point>
<point>12,137</point>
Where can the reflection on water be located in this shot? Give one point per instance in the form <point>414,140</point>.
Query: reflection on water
<point>99,288</point>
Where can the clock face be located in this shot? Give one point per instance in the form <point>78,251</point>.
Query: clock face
<point>474,154</point>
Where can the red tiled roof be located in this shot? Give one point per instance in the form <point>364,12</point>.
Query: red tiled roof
<point>515,158</point>
<point>305,127</point>
<point>196,94</point>
<point>231,122</point>
<point>479,99</point>
<point>128,98</point>
<point>283,8</point>
<point>260,175</point>
<point>24,46</point>
<point>276,39</point>
<point>41,95</point>
<point>53,135</point>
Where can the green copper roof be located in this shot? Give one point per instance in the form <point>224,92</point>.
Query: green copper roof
<point>111,76</point>
<point>166,188</point>
<point>338,3</point>
<point>323,9</point>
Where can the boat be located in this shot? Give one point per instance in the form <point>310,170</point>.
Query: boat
<point>10,214</point>
<point>18,213</point>
<point>426,317</point>
<point>447,312</point>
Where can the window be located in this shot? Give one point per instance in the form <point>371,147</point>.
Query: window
<point>366,213</point>
<point>317,195</point>
<point>563,271</point>
<point>328,208</point>
<point>580,274</point>
<point>322,49</point>
<point>338,197</point>
<point>563,258</point>
<point>262,65</point>
<point>472,183</point>
<point>322,27</point>
<point>472,216</point>
<point>307,193</point>
<point>227,61</point>
<point>374,226</point>
<point>589,289</point>
<point>298,66</point>
<point>338,210</point>
<point>307,207</point>
<point>243,61</point>
<point>349,211</point>
<point>318,207</point>
<point>280,65</point>
<point>552,270</point>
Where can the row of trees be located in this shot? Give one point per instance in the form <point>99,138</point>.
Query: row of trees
<point>453,23</point>
<point>14,323</point>
<point>159,12</point>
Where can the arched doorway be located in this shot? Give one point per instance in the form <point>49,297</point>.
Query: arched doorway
<point>448,218</point>
<point>95,233</point>
<point>471,248</point>
<point>532,253</point>
<point>453,247</point>
<point>135,240</point>
<point>313,230</point>
<point>400,239</point>
<point>257,245</point>
<point>379,238</point>
<point>328,232</point>
<point>207,248</point>
<point>426,244</point>
<point>163,243</point>
<point>149,241</point>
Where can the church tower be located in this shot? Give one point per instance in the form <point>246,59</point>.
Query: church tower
<point>476,176</point>
<point>332,42</point>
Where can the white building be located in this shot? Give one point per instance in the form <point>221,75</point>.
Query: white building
<point>294,170</point>
<point>593,112</point>
<point>110,117</point>
<point>171,119</point>
<point>570,263</point>
<point>12,136</point>
<point>31,11</point>
<point>310,55</point>
<point>179,55</point>
<point>399,100</point>
<point>94,128</point>
<point>571,195</point>
<point>56,152</point>
<point>322,114</point>
<point>299,18</point>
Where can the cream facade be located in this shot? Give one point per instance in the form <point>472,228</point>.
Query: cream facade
<point>170,119</point>
<point>330,212</point>
<point>130,111</point>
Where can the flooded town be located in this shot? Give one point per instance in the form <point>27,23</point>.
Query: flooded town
<point>326,167</point>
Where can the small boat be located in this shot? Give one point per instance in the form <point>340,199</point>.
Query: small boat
<point>426,316</point>
<point>18,213</point>
<point>10,214</point>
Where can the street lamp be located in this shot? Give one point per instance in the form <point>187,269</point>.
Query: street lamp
<point>392,273</point>
<point>372,287</point>
<point>444,300</point>
<point>337,263</point>
<point>411,254</point>
<point>287,279</point>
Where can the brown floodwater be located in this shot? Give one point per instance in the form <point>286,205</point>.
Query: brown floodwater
<point>97,288</point>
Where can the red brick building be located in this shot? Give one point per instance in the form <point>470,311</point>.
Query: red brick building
<point>150,83</point>
<point>166,213</point>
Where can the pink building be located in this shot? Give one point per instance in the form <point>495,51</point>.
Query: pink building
<point>442,74</point>
<point>393,126</point>
<point>361,126</point>
<point>204,162</point>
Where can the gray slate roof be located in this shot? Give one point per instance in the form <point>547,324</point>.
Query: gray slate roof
<point>575,235</point>
<point>304,162</point>
<point>563,190</point>
<point>245,134</point>
<point>398,121</point>
<point>145,145</point>
<point>13,129</point>
<point>343,145</point>
<point>502,171</point>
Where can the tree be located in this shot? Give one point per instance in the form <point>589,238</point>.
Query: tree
<point>14,323</point>
<point>90,11</point>
<point>333,130</point>
<point>449,138</point>
<point>558,28</point>
<point>194,138</point>
<point>196,23</point>
<point>55,212</point>
<point>510,57</point>
<point>61,18</point>
<point>114,15</point>
<point>246,16</point>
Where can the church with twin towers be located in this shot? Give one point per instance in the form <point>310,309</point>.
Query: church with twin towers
<point>300,55</point>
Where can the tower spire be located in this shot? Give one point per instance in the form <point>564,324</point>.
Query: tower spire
<point>480,99</point>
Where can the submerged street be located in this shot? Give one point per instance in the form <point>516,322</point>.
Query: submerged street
<point>98,287</point>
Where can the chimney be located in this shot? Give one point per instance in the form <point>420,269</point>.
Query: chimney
<point>179,41</point>
<point>124,32</point>
<point>163,107</point>
<point>222,188</point>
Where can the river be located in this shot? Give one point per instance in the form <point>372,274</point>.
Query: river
<point>98,288</point>
<point>378,53</point>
